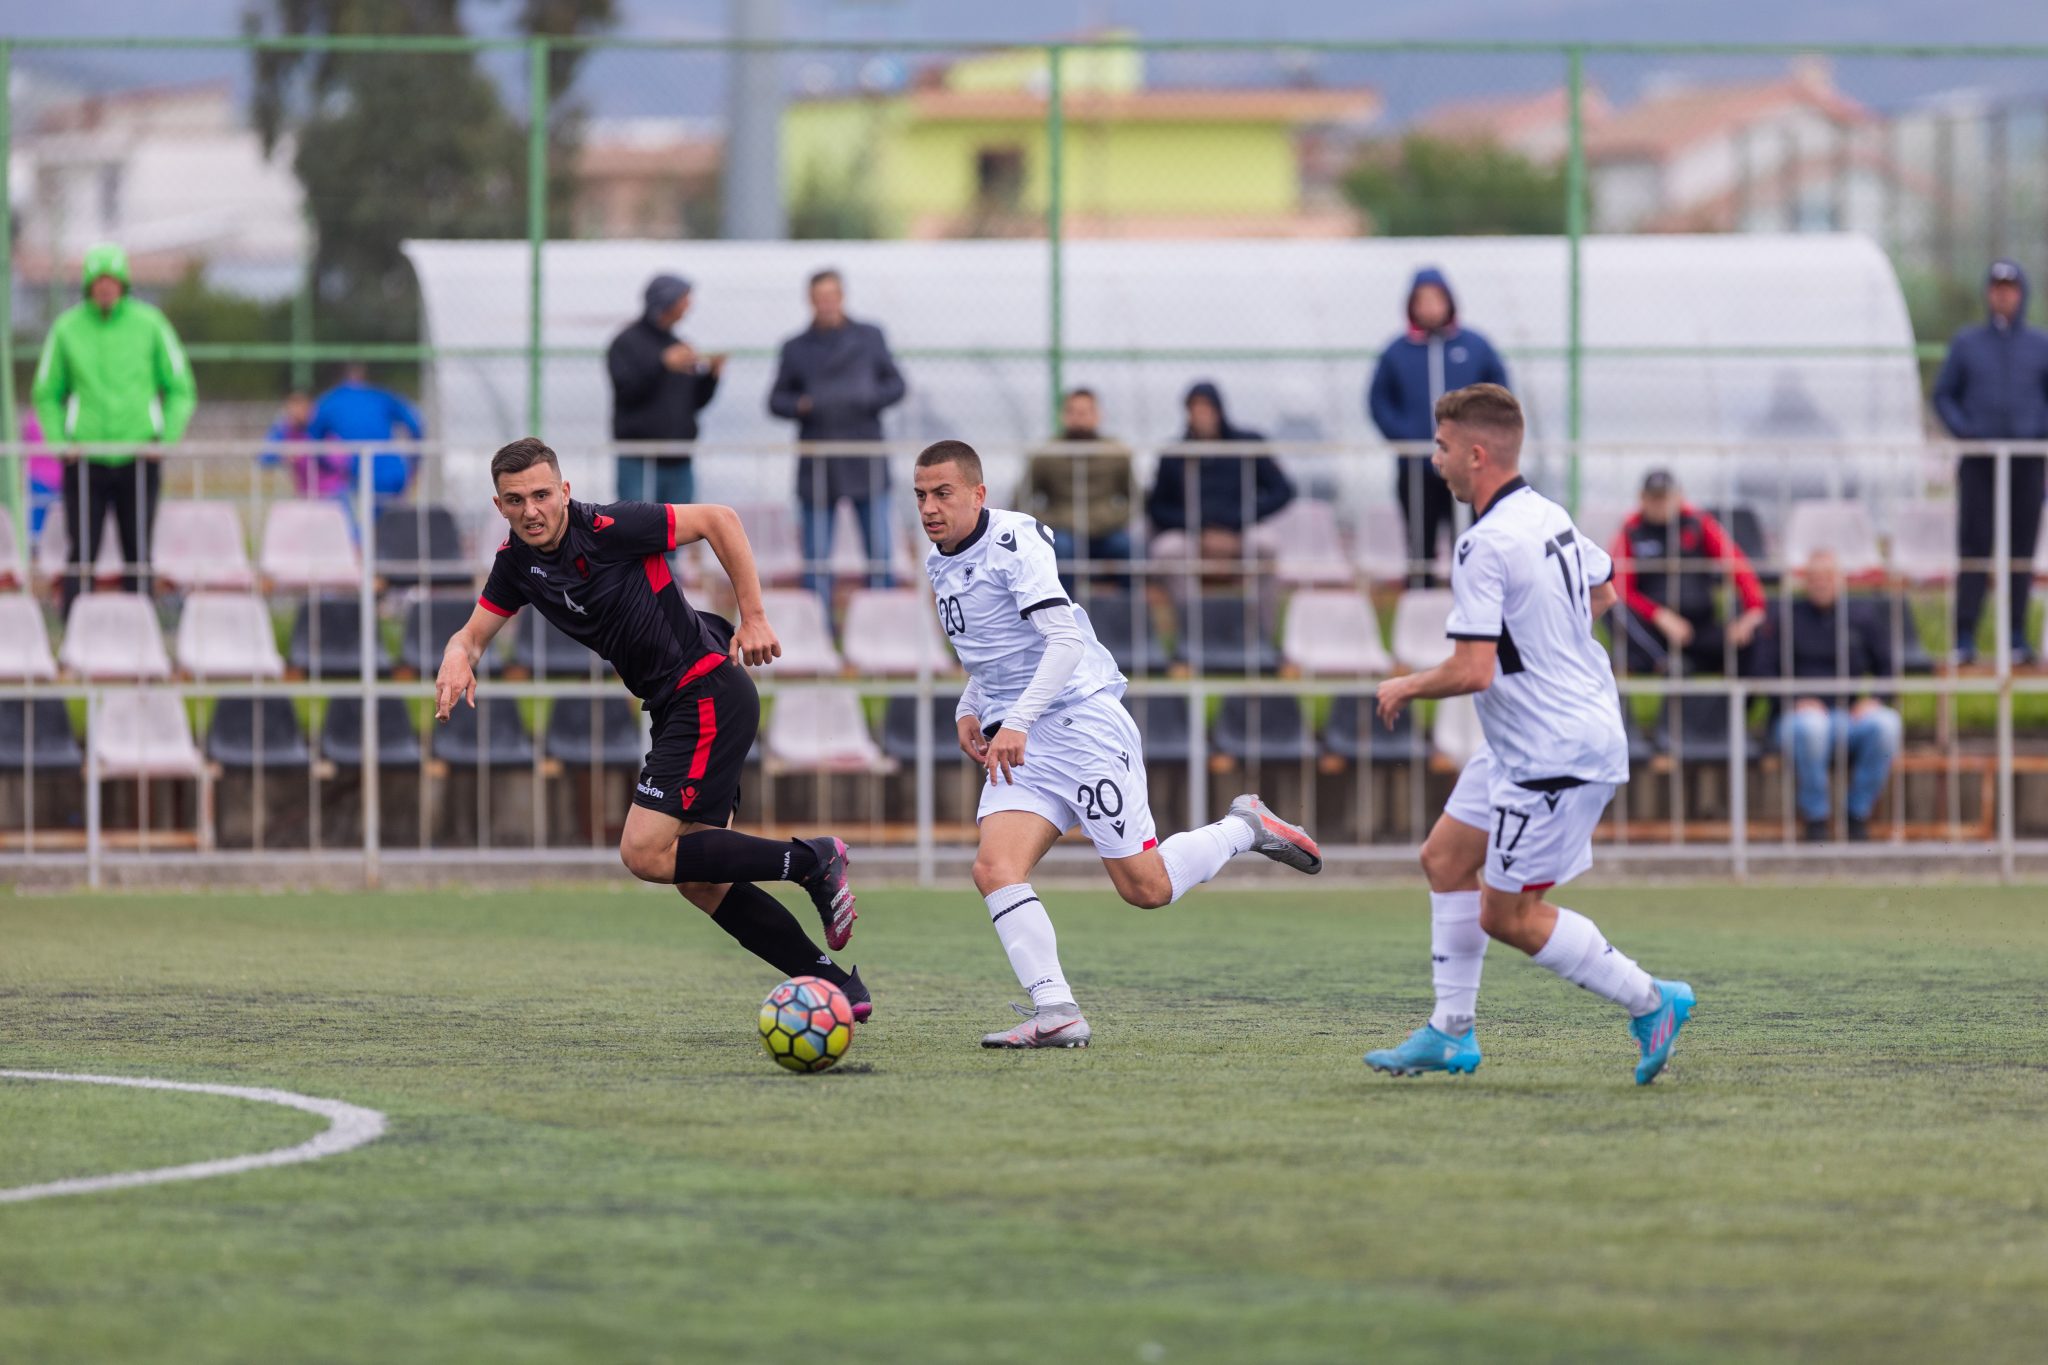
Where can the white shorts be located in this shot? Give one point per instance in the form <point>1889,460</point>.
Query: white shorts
<point>1083,765</point>
<point>1534,840</point>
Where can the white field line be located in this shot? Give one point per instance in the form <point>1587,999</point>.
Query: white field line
<point>348,1126</point>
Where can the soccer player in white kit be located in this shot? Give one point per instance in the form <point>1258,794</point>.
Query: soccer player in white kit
<point>1041,712</point>
<point>1526,589</point>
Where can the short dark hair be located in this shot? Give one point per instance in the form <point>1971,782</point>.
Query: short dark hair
<point>1487,406</point>
<point>1080,391</point>
<point>828,273</point>
<point>952,452</point>
<point>521,455</point>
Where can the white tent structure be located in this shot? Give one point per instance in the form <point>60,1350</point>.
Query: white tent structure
<point>1764,345</point>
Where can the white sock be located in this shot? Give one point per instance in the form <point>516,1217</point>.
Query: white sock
<point>1026,933</point>
<point>1193,856</point>
<point>1457,950</point>
<point>1581,954</point>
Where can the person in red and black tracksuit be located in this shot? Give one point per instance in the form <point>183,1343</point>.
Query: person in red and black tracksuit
<point>1670,560</point>
<point>600,575</point>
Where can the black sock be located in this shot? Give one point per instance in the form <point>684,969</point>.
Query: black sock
<point>725,855</point>
<point>765,927</point>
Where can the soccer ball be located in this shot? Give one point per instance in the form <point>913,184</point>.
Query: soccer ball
<point>806,1023</point>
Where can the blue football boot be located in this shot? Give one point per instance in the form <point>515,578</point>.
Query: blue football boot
<point>1658,1029</point>
<point>1429,1049</point>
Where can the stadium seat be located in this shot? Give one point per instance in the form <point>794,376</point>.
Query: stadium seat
<point>425,626</point>
<point>1354,732</point>
<point>198,545</point>
<point>1263,729</point>
<point>1838,524</point>
<point>799,620</point>
<point>1701,732</point>
<point>24,642</point>
<point>1220,634</point>
<point>899,728</point>
<point>1746,529</point>
<point>545,652</point>
<point>1924,541</point>
<point>600,730</point>
<point>13,564</point>
<point>257,732</point>
<point>1419,617</point>
<point>1307,544</point>
<point>419,544</point>
<point>1382,547</point>
<point>850,554</point>
<point>53,547</point>
<point>1455,731</point>
<point>141,732</point>
<point>35,736</point>
<point>114,635</point>
<point>327,640</point>
<point>227,635</point>
<point>778,546</point>
<point>892,632</point>
<point>1123,623</point>
<point>490,733</point>
<point>821,729</point>
<point>308,543</point>
<point>1163,721</point>
<point>341,733</point>
<point>1330,632</point>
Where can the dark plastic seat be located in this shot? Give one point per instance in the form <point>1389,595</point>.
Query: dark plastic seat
<point>341,734</point>
<point>604,730</point>
<point>1263,728</point>
<point>427,624</point>
<point>1124,625</point>
<point>1221,635</point>
<point>1163,722</point>
<point>419,544</point>
<point>1354,733</point>
<point>1701,731</point>
<point>490,733</point>
<point>899,728</point>
<point>546,652</point>
<point>337,652</point>
<point>1746,529</point>
<point>36,735</point>
<point>257,732</point>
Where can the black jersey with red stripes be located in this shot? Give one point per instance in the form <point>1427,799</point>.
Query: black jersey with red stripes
<point>607,586</point>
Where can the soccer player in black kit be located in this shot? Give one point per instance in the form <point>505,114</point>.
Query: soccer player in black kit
<point>600,575</point>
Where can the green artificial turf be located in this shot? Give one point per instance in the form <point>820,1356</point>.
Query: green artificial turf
<point>591,1158</point>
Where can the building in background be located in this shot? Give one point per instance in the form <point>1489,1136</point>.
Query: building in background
<point>648,177</point>
<point>963,152</point>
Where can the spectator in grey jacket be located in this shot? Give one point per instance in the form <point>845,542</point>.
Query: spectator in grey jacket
<point>835,380</point>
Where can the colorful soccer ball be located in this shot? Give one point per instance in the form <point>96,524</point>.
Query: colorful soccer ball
<point>806,1023</point>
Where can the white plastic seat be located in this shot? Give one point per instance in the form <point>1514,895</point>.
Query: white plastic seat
<point>1419,619</point>
<point>228,635</point>
<point>114,635</point>
<point>308,544</point>
<point>893,632</point>
<point>144,733</point>
<point>822,729</point>
<point>1924,541</point>
<point>24,643</point>
<point>200,545</point>
<point>1382,547</point>
<point>1334,632</point>
<point>1841,525</point>
<point>799,621</point>
<point>849,551</point>
<point>1306,543</point>
<point>778,545</point>
<point>1455,733</point>
<point>53,546</point>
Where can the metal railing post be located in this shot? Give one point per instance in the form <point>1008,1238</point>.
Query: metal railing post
<point>14,487</point>
<point>536,219</point>
<point>2001,588</point>
<point>366,677</point>
<point>1575,231</point>
<point>926,769</point>
<point>93,790</point>
<point>1055,208</point>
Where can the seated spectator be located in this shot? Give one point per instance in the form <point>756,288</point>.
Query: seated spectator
<point>1084,500</point>
<point>357,412</point>
<point>321,474</point>
<point>1225,496</point>
<point>1670,560</point>
<point>1821,634</point>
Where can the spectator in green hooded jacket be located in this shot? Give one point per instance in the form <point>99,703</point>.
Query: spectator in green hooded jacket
<point>112,374</point>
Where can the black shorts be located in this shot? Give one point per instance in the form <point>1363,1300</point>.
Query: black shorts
<point>702,735</point>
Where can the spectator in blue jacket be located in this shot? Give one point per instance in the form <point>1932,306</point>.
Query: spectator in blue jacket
<point>1994,387</point>
<point>1433,357</point>
<point>356,412</point>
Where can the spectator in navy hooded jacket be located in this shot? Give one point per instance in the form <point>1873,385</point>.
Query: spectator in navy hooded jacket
<point>1433,357</point>
<point>1994,387</point>
<point>1230,494</point>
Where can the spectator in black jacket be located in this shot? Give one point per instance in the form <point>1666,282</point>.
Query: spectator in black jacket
<point>1821,634</point>
<point>835,380</point>
<point>1202,507</point>
<point>659,385</point>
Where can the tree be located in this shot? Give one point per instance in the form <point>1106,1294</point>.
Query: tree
<point>1427,187</point>
<point>398,145</point>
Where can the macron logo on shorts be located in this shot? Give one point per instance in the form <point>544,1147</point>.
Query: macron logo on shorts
<point>649,789</point>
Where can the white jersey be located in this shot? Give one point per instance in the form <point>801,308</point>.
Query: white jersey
<point>987,589</point>
<point>1522,575</point>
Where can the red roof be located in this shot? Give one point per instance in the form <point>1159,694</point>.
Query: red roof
<point>1663,126</point>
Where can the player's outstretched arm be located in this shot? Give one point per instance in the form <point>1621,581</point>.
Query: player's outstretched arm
<point>457,679</point>
<point>1469,669</point>
<point>753,640</point>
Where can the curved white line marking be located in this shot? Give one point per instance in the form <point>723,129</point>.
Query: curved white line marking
<point>348,1126</point>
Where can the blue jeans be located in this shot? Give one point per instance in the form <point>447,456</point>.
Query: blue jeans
<point>1110,545</point>
<point>875,530</point>
<point>656,478</point>
<point>1810,738</point>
